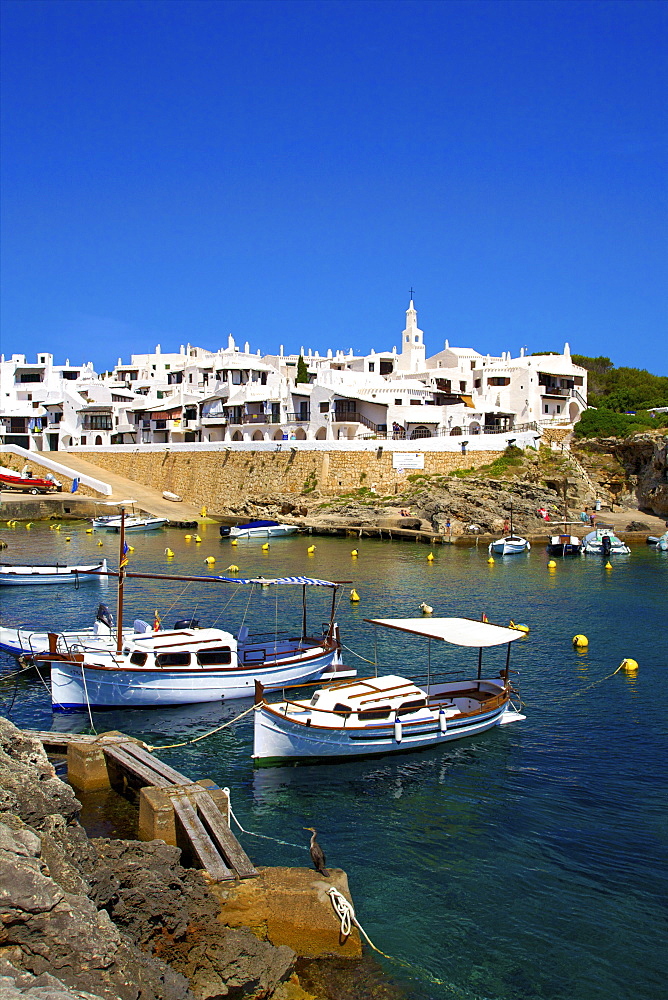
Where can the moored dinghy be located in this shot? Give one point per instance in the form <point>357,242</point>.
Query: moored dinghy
<point>40,574</point>
<point>510,544</point>
<point>389,714</point>
<point>604,542</point>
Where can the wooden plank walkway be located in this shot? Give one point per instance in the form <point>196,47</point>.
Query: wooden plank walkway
<point>205,826</point>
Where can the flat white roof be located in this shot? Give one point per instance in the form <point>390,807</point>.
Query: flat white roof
<point>458,631</point>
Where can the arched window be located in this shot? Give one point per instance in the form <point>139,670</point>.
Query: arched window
<point>456,432</point>
<point>420,432</point>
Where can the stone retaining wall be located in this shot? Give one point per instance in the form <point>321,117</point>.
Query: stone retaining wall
<point>221,478</point>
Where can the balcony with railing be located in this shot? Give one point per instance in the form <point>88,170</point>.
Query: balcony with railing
<point>260,418</point>
<point>301,417</point>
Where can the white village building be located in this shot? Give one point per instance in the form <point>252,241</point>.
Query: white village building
<point>233,395</point>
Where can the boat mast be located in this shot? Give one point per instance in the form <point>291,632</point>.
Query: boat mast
<point>121,579</point>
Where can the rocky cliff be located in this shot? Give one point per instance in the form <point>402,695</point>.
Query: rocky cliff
<point>96,918</point>
<point>632,469</point>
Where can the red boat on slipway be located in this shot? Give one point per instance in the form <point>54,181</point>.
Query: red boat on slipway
<point>26,484</point>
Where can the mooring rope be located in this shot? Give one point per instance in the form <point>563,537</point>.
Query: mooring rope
<point>16,673</point>
<point>358,655</point>
<point>264,836</point>
<point>345,911</point>
<point>186,743</point>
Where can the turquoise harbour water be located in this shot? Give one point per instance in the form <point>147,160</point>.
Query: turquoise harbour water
<point>528,862</point>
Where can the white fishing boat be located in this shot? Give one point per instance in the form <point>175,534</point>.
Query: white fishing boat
<point>12,576</point>
<point>112,522</point>
<point>258,529</point>
<point>372,716</point>
<point>603,542</point>
<point>188,665</point>
<point>510,544</point>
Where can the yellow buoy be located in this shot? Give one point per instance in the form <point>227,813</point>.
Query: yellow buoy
<point>520,628</point>
<point>100,543</point>
<point>29,524</point>
<point>89,531</point>
<point>354,552</point>
<point>354,596</point>
<point>169,553</point>
<point>234,542</point>
<point>210,560</point>
<point>607,566</point>
<point>233,569</point>
<point>68,539</point>
<point>580,641</point>
<point>203,512</point>
<point>265,547</point>
<point>311,549</point>
<point>198,539</point>
<point>630,666</point>
<point>57,527</point>
<point>131,548</point>
<point>491,560</point>
<point>188,537</point>
<point>430,557</point>
<point>426,609</point>
<point>552,564</point>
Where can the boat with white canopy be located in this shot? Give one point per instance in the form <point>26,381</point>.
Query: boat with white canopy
<point>188,665</point>
<point>372,716</point>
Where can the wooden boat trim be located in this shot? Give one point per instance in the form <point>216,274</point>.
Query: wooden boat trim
<point>495,702</point>
<point>240,668</point>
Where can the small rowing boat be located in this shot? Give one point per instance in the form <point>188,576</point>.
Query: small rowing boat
<point>37,574</point>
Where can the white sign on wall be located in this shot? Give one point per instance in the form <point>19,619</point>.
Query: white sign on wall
<point>402,460</point>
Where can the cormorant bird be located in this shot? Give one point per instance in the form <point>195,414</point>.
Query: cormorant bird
<point>317,853</point>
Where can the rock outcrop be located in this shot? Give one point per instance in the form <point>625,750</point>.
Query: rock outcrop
<point>632,469</point>
<point>115,920</point>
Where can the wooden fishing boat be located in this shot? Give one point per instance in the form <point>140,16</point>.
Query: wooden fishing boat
<point>510,544</point>
<point>40,574</point>
<point>373,716</point>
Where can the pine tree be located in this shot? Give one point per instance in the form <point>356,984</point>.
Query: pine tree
<point>302,371</point>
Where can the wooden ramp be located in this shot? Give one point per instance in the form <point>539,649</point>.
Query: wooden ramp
<point>172,807</point>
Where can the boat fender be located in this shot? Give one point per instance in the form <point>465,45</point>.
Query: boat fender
<point>398,734</point>
<point>354,596</point>
<point>442,721</point>
<point>630,666</point>
<point>580,641</point>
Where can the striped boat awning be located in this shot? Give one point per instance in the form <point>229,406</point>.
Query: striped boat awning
<point>300,581</point>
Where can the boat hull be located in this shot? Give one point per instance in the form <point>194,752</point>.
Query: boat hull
<point>278,740</point>
<point>278,531</point>
<point>509,546</point>
<point>106,685</point>
<point>141,524</point>
<point>15,576</point>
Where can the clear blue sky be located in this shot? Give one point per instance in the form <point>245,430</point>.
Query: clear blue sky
<point>177,171</point>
